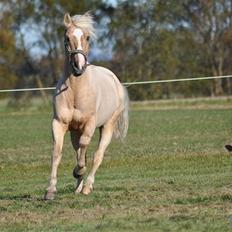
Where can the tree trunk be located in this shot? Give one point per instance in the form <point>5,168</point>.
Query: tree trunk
<point>218,91</point>
<point>228,85</point>
<point>43,93</point>
<point>217,71</point>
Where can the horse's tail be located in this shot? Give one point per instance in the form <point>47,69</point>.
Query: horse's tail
<point>121,127</point>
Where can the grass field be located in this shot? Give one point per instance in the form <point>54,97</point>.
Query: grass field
<point>171,174</point>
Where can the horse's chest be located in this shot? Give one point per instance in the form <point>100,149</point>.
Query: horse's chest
<point>74,118</point>
<point>74,109</point>
<point>79,119</point>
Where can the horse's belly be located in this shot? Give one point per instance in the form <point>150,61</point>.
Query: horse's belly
<point>105,111</point>
<point>107,100</point>
<point>102,119</point>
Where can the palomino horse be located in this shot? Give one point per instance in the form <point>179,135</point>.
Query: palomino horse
<point>87,97</point>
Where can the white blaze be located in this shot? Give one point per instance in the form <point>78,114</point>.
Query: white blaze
<point>78,33</point>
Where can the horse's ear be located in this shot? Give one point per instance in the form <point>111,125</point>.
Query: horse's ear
<point>88,13</point>
<point>67,20</point>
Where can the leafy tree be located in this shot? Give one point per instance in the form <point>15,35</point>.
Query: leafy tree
<point>7,49</point>
<point>147,40</point>
<point>44,17</point>
<point>163,39</point>
<point>211,22</point>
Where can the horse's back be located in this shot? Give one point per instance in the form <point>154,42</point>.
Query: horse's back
<point>108,92</point>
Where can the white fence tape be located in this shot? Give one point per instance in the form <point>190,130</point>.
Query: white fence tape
<point>127,84</point>
<point>25,90</point>
<point>176,80</point>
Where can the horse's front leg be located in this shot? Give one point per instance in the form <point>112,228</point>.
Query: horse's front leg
<point>84,141</point>
<point>77,171</point>
<point>58,132</point>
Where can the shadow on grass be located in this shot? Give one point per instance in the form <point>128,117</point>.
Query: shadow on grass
<point>17,197</point>
<point>39,196</point>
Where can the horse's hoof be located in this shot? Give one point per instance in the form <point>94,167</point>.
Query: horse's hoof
<point>78,171</point>
<point>49,196</point>
<point>228,147</point>
<point>79,187</point>
<point>86,190</point>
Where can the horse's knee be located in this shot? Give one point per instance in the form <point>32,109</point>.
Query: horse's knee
<point>85,140</point>
<point>88,132</point>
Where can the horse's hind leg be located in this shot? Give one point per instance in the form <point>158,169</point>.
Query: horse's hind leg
<point>58,131</point>
<point>106,133</point>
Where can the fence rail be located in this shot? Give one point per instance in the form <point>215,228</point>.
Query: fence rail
<point>127,84</point>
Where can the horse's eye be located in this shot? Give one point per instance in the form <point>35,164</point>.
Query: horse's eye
<point>87,38</point>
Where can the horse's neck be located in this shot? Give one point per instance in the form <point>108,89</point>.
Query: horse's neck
<point>70,80</point>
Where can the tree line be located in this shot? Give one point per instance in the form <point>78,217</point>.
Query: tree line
<point>145,40</point>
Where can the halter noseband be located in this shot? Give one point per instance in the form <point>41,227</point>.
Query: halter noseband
<point>71,54</point>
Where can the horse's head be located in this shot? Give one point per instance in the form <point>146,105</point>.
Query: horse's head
<point>79,29</point>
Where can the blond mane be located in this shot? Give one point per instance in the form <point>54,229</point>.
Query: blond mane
<point>85,22</point>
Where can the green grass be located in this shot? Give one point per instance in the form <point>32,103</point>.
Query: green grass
<point>171,174</point>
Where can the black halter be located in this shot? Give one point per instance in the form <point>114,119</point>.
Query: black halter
<point>71,55</point>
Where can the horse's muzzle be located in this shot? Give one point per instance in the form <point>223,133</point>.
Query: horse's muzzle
<point>78,61</point>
